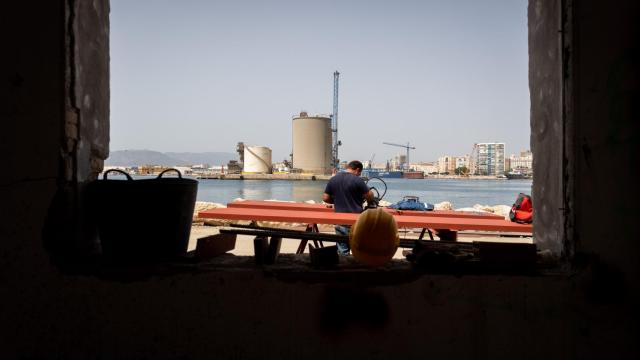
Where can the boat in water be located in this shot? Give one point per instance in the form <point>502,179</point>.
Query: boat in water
<point>369,173</point>
<point>517,175</point>
<point>413,174</point>
<point>396,174</point>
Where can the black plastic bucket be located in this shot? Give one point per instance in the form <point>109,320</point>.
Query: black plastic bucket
<point>141,220</point>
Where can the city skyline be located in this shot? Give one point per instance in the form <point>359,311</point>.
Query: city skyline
<point>202,76</point>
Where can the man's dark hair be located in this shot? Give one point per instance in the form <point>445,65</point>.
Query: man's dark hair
<point>355,165</point>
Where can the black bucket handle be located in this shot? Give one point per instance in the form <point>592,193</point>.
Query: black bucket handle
<point>172,169</point>
<point>104,176</point>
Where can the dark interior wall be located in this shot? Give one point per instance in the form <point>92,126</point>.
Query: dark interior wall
<point>32,96</point>
<point>57,55</point>
<point>605,60</point>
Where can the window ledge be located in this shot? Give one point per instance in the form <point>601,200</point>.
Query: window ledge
<point>298,268</point>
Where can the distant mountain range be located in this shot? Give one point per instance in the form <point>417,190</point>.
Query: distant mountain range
<point>150,157</point>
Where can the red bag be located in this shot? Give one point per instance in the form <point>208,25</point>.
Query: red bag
<point>522,210</point>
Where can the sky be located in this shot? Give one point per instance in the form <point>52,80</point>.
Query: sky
<point>199,76</point>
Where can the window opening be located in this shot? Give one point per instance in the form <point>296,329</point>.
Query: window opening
<point>198,104</point>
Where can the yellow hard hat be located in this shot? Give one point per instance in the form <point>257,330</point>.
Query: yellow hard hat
<point>374,237</point>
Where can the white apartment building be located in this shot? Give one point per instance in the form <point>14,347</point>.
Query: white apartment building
<point>462,161</point>
<point>446,164</point>
<point>427,168</point>
<point>449,164</point>
<point>522,162</point>
<point>487,159</point>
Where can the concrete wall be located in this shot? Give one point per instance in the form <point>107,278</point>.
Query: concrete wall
<point>547,132</point>
<point>56,54</point>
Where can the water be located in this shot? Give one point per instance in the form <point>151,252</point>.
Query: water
<point>461,193</point>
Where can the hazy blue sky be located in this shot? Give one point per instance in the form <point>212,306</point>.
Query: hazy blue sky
<point>203,75</point>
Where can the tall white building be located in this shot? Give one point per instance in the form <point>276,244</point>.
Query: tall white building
<point>522,163</point>
<point>487,159</point>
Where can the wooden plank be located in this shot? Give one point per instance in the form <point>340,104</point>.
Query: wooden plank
<point>211,246</point>
<point>281,205</point>
<point>313,217</point>
<point>303,217</point>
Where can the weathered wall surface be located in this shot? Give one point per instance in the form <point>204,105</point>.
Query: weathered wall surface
<point>89,96</point>
<point>589,313</point>
<point>545,87</point>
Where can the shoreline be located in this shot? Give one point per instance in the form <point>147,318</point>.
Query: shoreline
<point>312,177</point>
<point>293,177</point>
<point>318,177</point>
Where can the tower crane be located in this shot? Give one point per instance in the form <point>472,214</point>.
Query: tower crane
<point>334,124</point>
<point>404,146</point>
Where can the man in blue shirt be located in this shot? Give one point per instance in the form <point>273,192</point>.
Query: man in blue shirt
<point>347,191</point>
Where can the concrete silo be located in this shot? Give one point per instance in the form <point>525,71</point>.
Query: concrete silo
<point>257,160</point>
<point>312,143</point>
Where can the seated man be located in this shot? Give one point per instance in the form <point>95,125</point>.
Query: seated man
<point>347,192</point>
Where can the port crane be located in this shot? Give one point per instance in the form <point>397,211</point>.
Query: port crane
<point>407,147</point>
<point>334,124</point>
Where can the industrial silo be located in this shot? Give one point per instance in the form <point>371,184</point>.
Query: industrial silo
<point>312,143</point>
<point>257,160</point>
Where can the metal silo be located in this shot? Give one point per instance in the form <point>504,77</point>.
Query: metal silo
<point>257,160</point>
<point>312,143</point>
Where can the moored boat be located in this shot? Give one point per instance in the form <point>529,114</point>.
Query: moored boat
<point>413,174</point>
<point>368,173</point>
<point>516,175</point>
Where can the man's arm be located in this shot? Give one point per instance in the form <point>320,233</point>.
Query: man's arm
<point>368,193</point>
<point>328,190</point>
<point>368,196</point>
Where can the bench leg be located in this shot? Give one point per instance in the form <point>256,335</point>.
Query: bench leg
<point>273,250</point>
<point>422,234</point>
<point>315,228</point>
<point>303,243</point>
<point>260,247</point>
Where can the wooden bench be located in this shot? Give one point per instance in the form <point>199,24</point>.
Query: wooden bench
<point>404,219</point>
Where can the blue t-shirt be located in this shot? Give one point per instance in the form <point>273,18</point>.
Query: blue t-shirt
<point>347,191</point>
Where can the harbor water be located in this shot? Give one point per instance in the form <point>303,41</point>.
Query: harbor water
<point>461,193</point>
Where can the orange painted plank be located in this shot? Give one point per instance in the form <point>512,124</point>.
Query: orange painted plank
<point>280,205</point>
<point>316,217</point>
<point>307,217</point>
